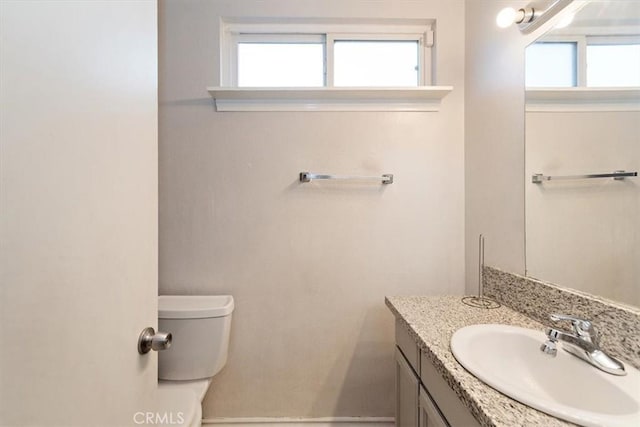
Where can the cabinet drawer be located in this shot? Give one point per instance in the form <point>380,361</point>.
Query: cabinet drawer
<point>444,397</point>
<point>408,346</point>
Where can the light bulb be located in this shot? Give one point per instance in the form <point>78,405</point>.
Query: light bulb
<point>565,21</point>
<point>506,17</point>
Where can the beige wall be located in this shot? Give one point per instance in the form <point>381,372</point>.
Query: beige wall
<point>494,138</point>
<point>588,225</point>
<point>308,264</point>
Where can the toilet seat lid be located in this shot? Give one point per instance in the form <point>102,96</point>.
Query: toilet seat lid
<point>194,306</point>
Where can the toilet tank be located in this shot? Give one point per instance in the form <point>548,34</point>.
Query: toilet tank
<point>200,326</point>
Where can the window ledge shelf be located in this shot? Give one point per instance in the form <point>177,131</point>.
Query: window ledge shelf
<point>422,98</point>
<point>583,99</point>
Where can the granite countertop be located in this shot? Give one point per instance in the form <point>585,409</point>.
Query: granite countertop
<point>431,321</point>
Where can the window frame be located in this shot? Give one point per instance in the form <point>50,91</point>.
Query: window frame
<point>233,33</point>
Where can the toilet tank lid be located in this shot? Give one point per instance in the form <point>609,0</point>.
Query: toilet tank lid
<point>194,306</point>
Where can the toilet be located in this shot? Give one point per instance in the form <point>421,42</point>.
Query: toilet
<point>200,326</point>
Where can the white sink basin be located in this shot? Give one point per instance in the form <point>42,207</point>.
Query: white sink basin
<point>509,359</point>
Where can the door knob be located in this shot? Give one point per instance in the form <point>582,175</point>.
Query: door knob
<point>150,340</point>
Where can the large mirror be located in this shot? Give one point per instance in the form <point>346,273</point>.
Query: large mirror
<point>583,118</point>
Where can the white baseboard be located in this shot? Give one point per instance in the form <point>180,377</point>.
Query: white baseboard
<point>302,422</point>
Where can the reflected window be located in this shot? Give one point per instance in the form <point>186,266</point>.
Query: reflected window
<point>551,64</point>
<point>613,65</point>
<point>591,61</point>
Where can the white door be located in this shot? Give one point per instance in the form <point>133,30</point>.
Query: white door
<point>78,210</point>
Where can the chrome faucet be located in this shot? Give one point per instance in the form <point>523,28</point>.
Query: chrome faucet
<point>582,342</point>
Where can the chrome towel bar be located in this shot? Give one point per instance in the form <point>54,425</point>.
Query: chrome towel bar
<point>309,176</point>
<point>539,178</point>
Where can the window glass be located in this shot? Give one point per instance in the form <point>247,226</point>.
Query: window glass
<point>613,65</point>
<point>376,63</point>
<point>551,64</point>
<point>280,64</point>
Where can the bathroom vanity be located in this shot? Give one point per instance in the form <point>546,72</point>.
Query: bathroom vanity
<point>423,397</point>
<point>432,388</point>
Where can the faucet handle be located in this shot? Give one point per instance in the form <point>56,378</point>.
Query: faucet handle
<point>582,327</point>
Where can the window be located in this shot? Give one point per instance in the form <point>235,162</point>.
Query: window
<point>376,63</point>
<point>551,64</point>
<point>300,64</point>
<point>605,61</point>
<point>299,54</point>
<point>281,64</point>
<point>613,65</point>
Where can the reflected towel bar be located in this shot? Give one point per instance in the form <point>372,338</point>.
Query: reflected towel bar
<point>309,176</point>
<point>539,178</point>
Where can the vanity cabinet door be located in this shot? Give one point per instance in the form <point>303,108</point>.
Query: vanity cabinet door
<point>429,414</point>
<point>444,398</point>
<point>407,393</point>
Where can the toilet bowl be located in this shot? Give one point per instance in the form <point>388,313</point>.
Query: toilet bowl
<point>200,326</point>
<point>173,407</point>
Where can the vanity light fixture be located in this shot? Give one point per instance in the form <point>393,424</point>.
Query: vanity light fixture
<point>537,13</point>
<point>509,15</point>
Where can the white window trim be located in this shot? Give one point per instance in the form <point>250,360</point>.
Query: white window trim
<point>424,98</point>
<point>605,30</point>
<point>593,40</point>
<point>296,30</point>
<point>229,97</point>
<point>582,99</point>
